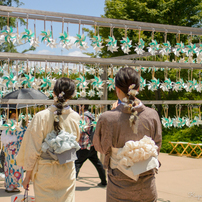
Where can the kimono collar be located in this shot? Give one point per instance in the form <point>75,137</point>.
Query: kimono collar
<point>141,107</point>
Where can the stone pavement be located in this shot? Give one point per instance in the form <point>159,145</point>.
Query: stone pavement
<point>179,180</point>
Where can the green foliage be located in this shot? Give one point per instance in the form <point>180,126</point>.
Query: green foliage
<point>192,135</point>
<point>9,47</point>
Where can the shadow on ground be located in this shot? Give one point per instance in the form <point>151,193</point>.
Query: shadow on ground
<point>162,200</point>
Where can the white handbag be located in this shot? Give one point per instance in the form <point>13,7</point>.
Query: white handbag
<point>22,198</point>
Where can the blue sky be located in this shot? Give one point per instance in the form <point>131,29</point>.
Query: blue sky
<point>81,7</point>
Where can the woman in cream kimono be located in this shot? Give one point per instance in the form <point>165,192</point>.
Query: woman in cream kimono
<point>53,181</point>
<point>130,137</point>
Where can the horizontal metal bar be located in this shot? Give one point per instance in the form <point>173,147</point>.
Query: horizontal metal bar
<point>132,56</point>
<point>101,61</point>
<point>49,102</point>
<point>44,15</point>
<point>95,102</point>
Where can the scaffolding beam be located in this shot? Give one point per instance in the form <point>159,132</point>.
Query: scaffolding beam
<point>91,20</point>
<point>100,61</point>
<point>95,102</point>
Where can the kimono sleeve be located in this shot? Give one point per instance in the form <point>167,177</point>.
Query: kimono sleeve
<point>76,129</point>
<point>102,139</point>
<point>157,136</point>
<point>31,144</point>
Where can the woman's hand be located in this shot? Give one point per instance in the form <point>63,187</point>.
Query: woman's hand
<point>26,181</point>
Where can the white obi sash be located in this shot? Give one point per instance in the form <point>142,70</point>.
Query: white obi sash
<point>135,157</point>
<point>136,169</point>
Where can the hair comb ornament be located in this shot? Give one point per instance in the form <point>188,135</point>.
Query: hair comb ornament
<point>56,117</point>
<point>55,98</point>
<point>61,94</point>
<point>132,91</point>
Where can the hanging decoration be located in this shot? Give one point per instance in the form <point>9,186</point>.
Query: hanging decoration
<point>154,84</point>
<point>82,83</point>
<point>111,84</point>
<point>126,43</point>
<point>46,36</point>
<point>8,35</point>
<point>167,85</point>
<point>166,50</point>
<point>179,48</point>
<point>46,83</point>
<point>112,42</point>
<point>65,42</point>
<point>81,40</point>
<point>166,121</point>
<point>28,35</point>
<point>17,40</point>
<point>91,93</point>
<point>191,49</point>
<point>142,83</point>
<point>9,79</point>
<point>154,47</point>
<point>34,41</point>
<point>97,83</point>
<point>27,81</point>
<point>97,41</point>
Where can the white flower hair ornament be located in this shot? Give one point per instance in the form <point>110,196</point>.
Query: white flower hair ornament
<point>61,94</point>
<point>56,117</point>
<point>132,91</point>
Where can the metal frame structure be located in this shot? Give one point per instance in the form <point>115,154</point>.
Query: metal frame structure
<point>100,61</point>
<point>95,102</point>
<point>119,61</point>
<point>90,20</point>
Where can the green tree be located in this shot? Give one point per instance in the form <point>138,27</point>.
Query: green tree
<point>9,47</point>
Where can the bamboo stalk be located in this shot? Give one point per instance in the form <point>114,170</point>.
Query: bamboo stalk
<point>17,115</point>
<point>27,116</point>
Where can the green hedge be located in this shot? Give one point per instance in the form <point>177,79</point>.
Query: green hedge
<point>193,135</point>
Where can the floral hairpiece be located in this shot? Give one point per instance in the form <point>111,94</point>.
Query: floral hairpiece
<point>61,94</point>
<point>132,91</point>
<point>125,99</point>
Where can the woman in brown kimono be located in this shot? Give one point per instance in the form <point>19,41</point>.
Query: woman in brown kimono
<point>130,120</point>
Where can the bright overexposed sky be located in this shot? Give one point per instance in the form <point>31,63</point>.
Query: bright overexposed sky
<point>80,7</point>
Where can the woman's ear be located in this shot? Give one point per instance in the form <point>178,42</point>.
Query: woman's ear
<point>117,89</point>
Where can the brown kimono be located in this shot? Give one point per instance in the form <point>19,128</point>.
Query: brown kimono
<point>113,130</point>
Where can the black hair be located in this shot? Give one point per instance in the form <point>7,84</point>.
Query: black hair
<point>126,77</point>
<point>123,80</point>
<point>11,111</point>
<point>64,89</point>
